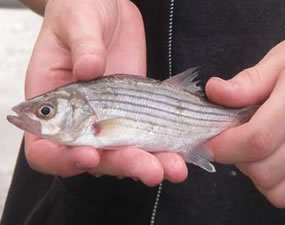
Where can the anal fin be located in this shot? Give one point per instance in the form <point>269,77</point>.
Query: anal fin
<point>199,156</point>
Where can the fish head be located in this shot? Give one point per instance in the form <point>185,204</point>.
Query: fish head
<point>59,115</point>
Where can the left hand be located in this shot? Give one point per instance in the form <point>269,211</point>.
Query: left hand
<point>256,147</point>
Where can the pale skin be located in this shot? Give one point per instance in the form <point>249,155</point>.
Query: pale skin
<point>81,40</point>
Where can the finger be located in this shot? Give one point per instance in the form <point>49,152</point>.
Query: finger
<point>82,31</point>
<point>174,167</point>
<point>50,65</point>
<point>266,173</point>
<point>258,138</point>
<point>251,86</point>
<point>47,157</point>
<point>275,195</point>
<point>134,163</point>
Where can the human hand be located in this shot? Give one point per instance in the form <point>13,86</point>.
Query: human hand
<point>257,147</point>
<point>81,40</point>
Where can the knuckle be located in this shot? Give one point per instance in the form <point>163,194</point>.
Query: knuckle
<point>78,45</point>
<point>251,75</point>
<point>261,144</point>
<point>85,45</point>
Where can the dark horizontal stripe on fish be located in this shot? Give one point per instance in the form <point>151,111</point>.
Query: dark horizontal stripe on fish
<point>154,100</point>
<point>156,109</point>
<point>207,105</point>
<point>165,119</point>
<point>156,90</point>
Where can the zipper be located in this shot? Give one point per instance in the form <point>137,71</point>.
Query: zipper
<point>170,31</point>
<point>155,205</point>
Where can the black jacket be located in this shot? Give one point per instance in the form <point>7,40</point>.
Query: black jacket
<point>222,37</point>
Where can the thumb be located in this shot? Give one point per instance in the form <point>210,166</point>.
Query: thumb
<point>251,86</point>
<point>88,58</point>
<point>83,32</point>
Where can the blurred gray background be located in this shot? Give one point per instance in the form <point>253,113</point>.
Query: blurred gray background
<point>18,31</point>
<point>10,4</point>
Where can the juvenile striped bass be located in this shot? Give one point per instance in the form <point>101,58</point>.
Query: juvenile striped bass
<point>120,111</point>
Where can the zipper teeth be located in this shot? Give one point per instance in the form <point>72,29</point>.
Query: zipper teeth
<point>152,219</point>
<point>170,31</point>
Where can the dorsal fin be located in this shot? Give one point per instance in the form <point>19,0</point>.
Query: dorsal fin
<point>186,81</point>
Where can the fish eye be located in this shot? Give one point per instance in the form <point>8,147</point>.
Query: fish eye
<point>46,111</point>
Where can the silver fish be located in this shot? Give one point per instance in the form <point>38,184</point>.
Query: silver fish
<point>120,111</point>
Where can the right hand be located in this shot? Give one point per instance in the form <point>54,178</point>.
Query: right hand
<point>81,40</point>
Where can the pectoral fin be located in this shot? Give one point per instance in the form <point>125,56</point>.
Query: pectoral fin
<point>200,156</point>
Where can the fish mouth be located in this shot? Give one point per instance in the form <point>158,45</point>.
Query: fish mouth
<point>22,121</point>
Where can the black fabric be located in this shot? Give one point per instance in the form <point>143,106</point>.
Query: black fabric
<point>27,189</point>
<point>226,197</point>
<point>225,36</point>
<point>222,37</point>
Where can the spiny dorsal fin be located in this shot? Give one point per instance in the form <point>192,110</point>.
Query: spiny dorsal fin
<point>186,81</point>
